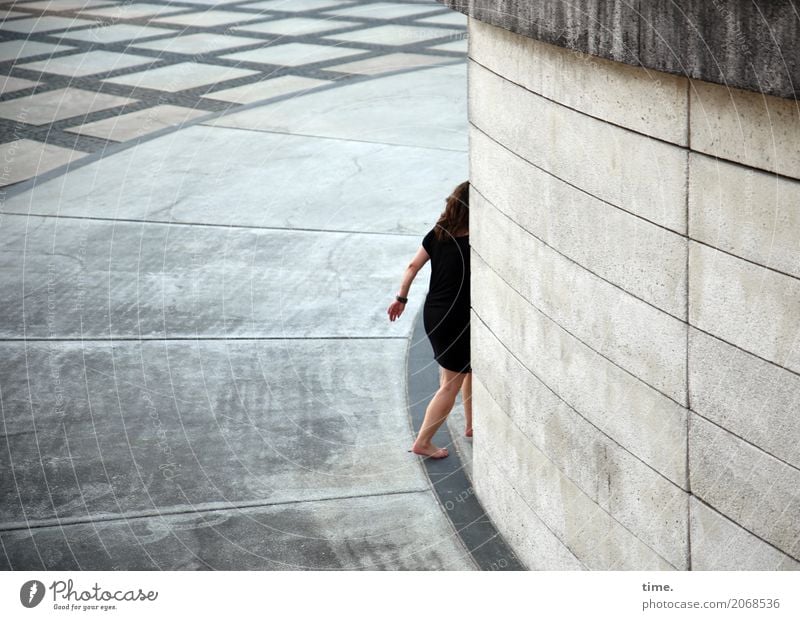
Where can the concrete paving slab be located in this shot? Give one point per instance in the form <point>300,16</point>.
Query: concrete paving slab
<point>295,6</point>
<point>117,33</point>
<point>131,280</point>
<point>390,34</point>
<point>45,23</point>
<point>459,45</point>
<point>133,10</point>
<point>131,428</point>
<point>409,108</point>
<point>58,104</point>
<point>205,18</point>
<point>294,26</point>
<point>294,54</point>
<point>453,18</point>
<point>17,49</point>
<point>275,87</point>
<point>24,158</point>
<point>388,62</point>
<point>181,76</point>
<point>224,176</point>
<point>384,10</point>
<point>88,63</point>
<point>200,43</point>
<point>8,84</point>
<point>397,532</point>
<point>137,124</point>
<point>67,5</point>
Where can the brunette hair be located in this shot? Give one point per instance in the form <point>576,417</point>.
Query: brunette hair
<point>455,217</point>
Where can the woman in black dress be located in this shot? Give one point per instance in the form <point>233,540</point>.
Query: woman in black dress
<point>445,315</point>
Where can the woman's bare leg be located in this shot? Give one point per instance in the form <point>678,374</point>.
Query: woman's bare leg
<point>466,398</point>
<point>438,409</point>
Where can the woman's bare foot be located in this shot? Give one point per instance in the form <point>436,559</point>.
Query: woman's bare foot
<point>430,451</point>
<point>468,432</point>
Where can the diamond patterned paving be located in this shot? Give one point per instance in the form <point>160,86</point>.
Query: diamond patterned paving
<point>293,54</point>
<point>20,49</point>
<point>54,105</point>
<point>137,124</point>
<point>89,63</point>
<point>76,109</point>
<point>264,90</point>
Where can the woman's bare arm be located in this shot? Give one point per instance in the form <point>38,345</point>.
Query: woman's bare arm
<point>418,262</point>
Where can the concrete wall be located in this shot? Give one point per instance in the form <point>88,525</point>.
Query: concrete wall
<point>739,43</point>
<point>636,312</point>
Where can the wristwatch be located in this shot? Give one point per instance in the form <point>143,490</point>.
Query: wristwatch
<point>402,300</point>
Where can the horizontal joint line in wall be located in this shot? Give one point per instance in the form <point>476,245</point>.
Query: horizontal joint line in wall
<point>571,260</point>
<point>572,408</point>
<point>566,331</point>
<point>572,185</point>
<point>577,486</point>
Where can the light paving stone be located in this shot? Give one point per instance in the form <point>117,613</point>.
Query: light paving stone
<point>749,213</point>
<point>45,23</point>
<point>88,63</point>
<point>646,503</point>
<point>639,257</point>
<point>720,544</point>
<point>453,18</point>
<point>137,124</point>
<point>296,6</point>
<point>67,5</point>
<point>409,108</point>
<point>9,84</point>
<point>458,45</point>
<point>23,159</point>
<point>194,425</point>
<point>294,54</point>
<point>388,62</point>
<point>533,543</point>
<point>294,26</point>
<point>133,10</point>
<point>384,10</point>
<point>19,49</point>
<point>753,399</point>
<point>200,43</point>
<point>358,533</point>
<point>648,343</point>
<point>639,174</point>
<point>55,105</point>
<point>116,33</point>
<point>392,34</point>
<point>589,532</point>
<point>181,177</point>
<point>749,128</point>
<point>751,488</point>
<point>650,102</point>
<point>206,18</point>
<point>188,282</point>
<point>643,421</point>
<point>265,89</point>
<point>744,304</point>
<point>181,76</point>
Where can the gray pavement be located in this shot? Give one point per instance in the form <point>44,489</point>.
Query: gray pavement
<point>196,370</point>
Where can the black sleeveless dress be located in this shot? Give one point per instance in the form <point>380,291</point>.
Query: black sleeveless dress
<point>446,311</point>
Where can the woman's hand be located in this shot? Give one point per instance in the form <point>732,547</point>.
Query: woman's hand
<point>396,309</point>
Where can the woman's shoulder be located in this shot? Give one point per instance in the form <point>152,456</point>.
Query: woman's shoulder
<point>429,240</point>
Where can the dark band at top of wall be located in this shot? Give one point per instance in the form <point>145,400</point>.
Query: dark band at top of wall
<point>748,44</point>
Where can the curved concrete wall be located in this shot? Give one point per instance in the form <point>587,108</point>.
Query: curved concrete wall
<point>636,312</point>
